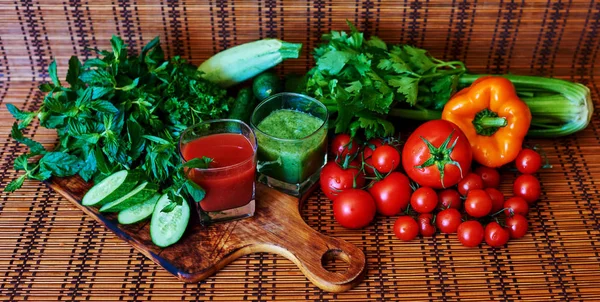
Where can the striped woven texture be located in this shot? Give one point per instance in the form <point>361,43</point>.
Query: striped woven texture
<point>49,250</point>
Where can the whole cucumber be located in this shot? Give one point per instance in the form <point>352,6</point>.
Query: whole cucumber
<point>265,85</point>
<point>243,106</point>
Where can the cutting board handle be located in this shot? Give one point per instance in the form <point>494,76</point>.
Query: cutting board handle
<point>310,250</point>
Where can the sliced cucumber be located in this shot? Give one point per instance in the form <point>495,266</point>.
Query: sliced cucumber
<point>139,194</point>
<point>111,188</point>
<point>138,212</point>
<point>166,228</point>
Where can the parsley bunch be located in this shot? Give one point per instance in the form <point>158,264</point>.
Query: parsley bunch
<point>361,80</point>
<point>119,112</point>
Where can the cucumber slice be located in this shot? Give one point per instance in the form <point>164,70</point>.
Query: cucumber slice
<point>111,188</point>
<point>139,194</point>
<point>138,212</point>
<point>166,228</point>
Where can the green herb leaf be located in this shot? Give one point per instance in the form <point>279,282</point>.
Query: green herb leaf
<point>15,184</point>
<point>95,63</point>
<point>104,106</point>
<point>53,74</point>
<point>24,116</point>
<point>61,164</point>
<point>34,146</point>
<point>194,190</point>
<point>198,163</point>
<point>73,72</point>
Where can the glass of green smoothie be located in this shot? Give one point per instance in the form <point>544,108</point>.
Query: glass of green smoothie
<point>291,130</point>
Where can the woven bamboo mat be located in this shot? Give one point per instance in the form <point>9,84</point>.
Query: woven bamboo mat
<point>49,250</point>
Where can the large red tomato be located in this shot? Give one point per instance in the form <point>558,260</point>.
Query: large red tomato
<point>437,154</point>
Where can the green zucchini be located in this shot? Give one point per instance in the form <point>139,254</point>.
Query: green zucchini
<point>166,228</point>
<point>243,106</point>
<point>139,194</point>
<point>245,61</point>
<point>138,212</point>
<point>265,85</point>
<point>111,188</point>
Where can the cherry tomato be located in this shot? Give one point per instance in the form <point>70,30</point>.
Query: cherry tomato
<point>471,182</point>
<point>424,200</point>
<point>496,235</point>
<point>528,161</point>
<point>354,208</point>
<point>478,203</point>
<point>489,176</point>
<point>448,220</point>
<point>517,226</point>
<point>528,187</point>
<point>449,198</point>
<point>470,233</point>
<point>426,228</point>
<point>391,194</point>
<point>371,145</point>
<point>343,145</point>
<point>497,199</point>
<point>516,205</point>
<point>406,228</point>
<point>385,158</point>
<point>335,179</point>
<point>437,143</point>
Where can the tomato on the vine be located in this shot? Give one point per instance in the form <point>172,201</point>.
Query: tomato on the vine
<point>489,176</point>
<point>449,198</point>
<point>426,227</point>
<point>424,200</point>
<point>406,228</point>
<point>471,182</point>
<point>528,161</point>
<point>391,194</point>
<point>528,187</point>
<point>385,158</point>
<point>344,145</point>
<point>517,226</point>
<point>354,208</point>
<point>497,199</point>
<point>437,154</point>
<point>496,235</point>
<point>516,205</point>
<point>448,220</point>
<point>478,203</point>
<point>336,178</point>
<point>371,145</point>
<point>470,233</point>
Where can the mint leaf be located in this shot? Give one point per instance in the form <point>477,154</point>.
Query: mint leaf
<point>118,47</point>
<point>194,190</point>
<point>21,162</point>
<point>42,174</point>
<point>53,74</point>
<point>133,84</point>
<point>95,62</point>
<point>198,163</point>
<point>24,116</point>
<point>34,146</point>
<point>73,72</point>
<point>88,169</point>
<point>104,106</point>
<point>98,92</point>
<point>61,164</point>
<point>15,184</point>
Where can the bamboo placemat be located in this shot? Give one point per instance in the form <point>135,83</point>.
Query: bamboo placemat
<point>49,250</point>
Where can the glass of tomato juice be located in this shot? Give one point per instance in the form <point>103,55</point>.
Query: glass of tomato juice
<point>229,178</point>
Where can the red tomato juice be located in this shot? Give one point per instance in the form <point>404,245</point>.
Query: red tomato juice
<point>229,181</point>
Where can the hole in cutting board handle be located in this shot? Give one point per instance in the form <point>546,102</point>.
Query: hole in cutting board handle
<point>335,261</point>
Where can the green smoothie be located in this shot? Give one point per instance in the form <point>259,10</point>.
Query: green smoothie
<point>292,151</point>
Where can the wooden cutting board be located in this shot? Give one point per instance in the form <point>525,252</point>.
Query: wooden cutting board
<point>276,227</point>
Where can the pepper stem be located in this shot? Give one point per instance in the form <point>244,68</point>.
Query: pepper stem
<point>487,122</point>
<point>493,122</point>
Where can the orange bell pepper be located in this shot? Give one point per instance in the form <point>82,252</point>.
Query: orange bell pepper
<point>492,117</point>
